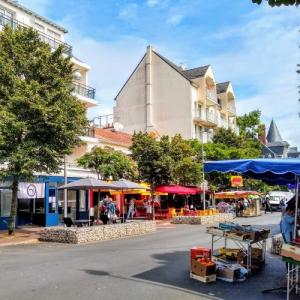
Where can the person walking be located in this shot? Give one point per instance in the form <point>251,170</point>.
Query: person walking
<point>112,211</point>
<point>131,209</point>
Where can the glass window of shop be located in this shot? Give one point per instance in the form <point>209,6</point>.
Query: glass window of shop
<point>52,201</point>
<point>82,200</point>
<point>71,204</point>
<point>5,202</point>
<point>39,206</point>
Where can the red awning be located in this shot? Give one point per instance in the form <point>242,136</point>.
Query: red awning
<point>176,189</point>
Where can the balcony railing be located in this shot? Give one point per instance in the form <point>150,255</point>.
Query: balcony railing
<point>211,95</point>
<point>54,43</point>
<point>208,116</point>
<point>231,108</point>
<point>211,117</point>
<point>84,90</point>
<point>90,132</point>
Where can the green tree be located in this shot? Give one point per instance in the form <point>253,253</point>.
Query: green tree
<point>226,144</point>
<point>249,124</point>
<point>186,168</point>
<point>152,158</point>
<point>109,163</point>
<point>165,161</point>
<point>278,2</point>
<point>40,120</point>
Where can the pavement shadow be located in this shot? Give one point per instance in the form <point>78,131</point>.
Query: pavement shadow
<point>174,271</point>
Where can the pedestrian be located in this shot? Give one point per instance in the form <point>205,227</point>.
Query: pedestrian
<point>267,205</point>
<point>242,207</point>
<point>112,211</point>
<point>103,210</point>
<point>287,223</point>
<point>130,212</point>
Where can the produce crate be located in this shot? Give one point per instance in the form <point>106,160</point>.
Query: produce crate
<point>201,269</point>
<point>238,235</point>
<point>204,279</point>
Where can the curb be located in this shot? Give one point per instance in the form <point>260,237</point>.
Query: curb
<point>30,241</point>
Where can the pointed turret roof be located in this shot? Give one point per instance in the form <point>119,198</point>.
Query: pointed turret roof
<point>273,134</point>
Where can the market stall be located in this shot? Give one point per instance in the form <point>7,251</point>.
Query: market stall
<point>250,200</point>
<point>272,171</point>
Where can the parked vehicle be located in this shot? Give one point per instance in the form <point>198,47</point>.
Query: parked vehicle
<point>278,197</point>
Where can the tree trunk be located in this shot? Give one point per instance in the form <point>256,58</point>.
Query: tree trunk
<point>13,209</point>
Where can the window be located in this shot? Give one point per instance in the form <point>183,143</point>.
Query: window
<point>39,206</point>
<point>53,34</point>
<point>39,27</point>
<point>6,17</point>
<point>52,201</point>
<point>5,202</point>
<point>82,201</point>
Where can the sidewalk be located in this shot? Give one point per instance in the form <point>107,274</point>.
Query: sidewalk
<point>28,235</point>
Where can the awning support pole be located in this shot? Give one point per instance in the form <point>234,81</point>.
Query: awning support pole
<point>296,206</point>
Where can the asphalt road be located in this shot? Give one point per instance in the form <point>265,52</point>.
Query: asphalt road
<point>154,266</point>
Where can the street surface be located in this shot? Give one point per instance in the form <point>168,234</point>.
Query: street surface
<point>154,266</point>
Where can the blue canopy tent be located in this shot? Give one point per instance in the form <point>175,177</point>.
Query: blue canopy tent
<point>272,171</point>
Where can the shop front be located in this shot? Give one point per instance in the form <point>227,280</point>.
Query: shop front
<point>40,203</point>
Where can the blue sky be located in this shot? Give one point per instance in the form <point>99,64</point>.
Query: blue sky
<point>256,47</point>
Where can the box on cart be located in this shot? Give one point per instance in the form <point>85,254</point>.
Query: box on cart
<point>228,273</point>
<point>203,269</point>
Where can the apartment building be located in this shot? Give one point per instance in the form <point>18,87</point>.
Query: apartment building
<point>164,98</point>
<point>13,14</point>
<point>48,208</point>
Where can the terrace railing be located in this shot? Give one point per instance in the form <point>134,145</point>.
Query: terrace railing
<point>84,90</point>
<point>53,42</point>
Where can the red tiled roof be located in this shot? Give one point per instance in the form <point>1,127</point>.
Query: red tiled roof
<point>115,137</point>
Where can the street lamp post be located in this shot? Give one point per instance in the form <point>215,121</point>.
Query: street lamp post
<point>203,175</point>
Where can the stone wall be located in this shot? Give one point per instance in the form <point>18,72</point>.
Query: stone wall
<point>79,235</point>
<point>204,220</point>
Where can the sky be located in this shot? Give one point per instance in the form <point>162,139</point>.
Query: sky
<point>254,47</point>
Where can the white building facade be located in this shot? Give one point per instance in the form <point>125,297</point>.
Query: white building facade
<point>166,99</point>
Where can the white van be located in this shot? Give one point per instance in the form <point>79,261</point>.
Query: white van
<point>276,196</point>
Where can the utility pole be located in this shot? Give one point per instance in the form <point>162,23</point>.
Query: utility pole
<point>203,175</point>
<point>65,190</point>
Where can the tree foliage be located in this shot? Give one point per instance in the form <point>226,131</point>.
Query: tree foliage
<point>40,120</point>
<point>278,2</point>
<point>109,163</point>
<point>165,161</point>
<point>226,144</point>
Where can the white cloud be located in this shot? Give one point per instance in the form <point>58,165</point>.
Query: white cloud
<point>152,3</point>
<point>128,12</point>
<point>175,19</point>
<point>265,62</point>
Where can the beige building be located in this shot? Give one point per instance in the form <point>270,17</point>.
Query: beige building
<point>164,98</point>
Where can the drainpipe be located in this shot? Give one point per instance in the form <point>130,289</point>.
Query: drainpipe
<point>148,77</point>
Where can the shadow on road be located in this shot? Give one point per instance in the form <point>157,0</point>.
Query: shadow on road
<point>173,272</point>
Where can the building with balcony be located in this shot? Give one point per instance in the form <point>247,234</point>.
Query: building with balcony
<point>14,14</point>
<point>164,98</point>
<point>46,208</point>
